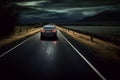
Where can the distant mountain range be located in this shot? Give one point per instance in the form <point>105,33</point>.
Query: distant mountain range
<point>110,17</point>
<point>104,16</point>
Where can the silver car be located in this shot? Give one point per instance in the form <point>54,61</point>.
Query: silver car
<point>48,31</point>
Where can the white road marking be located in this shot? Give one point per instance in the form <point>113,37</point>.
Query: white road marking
<point>15,47</point>
<point>94,69</point>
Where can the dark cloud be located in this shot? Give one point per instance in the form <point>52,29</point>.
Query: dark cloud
<point>59,10</point>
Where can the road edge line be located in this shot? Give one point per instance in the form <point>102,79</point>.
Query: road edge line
<point>6,52</point>
<point>88,62</point>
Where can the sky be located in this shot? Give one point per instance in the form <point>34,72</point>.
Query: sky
<point>64,10</point>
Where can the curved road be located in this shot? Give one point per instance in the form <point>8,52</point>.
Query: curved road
<point>45,60</point>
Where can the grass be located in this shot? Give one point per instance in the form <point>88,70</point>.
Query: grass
<point>19,33</point>
<point>107,33</point>
<point>106,50</point>
<point>103,30</point>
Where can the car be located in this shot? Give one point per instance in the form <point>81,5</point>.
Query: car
<point>48,31</point>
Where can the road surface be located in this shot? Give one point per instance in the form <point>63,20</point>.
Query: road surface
<point>55,59</point>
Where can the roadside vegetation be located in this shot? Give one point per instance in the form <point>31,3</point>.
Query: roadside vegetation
<point>106,33</point>
<point>103,48</point>
<point>18,33</point>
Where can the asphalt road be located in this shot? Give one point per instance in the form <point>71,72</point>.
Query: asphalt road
<point>50,59</point>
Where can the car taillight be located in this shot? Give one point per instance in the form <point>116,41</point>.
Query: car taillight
<point>54,30</point>
<point>42,30</point>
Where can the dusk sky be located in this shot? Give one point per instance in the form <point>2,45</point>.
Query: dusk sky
<point>65,9</point>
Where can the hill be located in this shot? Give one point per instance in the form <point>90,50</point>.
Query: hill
<point>105,16</point>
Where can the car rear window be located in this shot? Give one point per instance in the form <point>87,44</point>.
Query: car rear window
<point>49,27</point>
